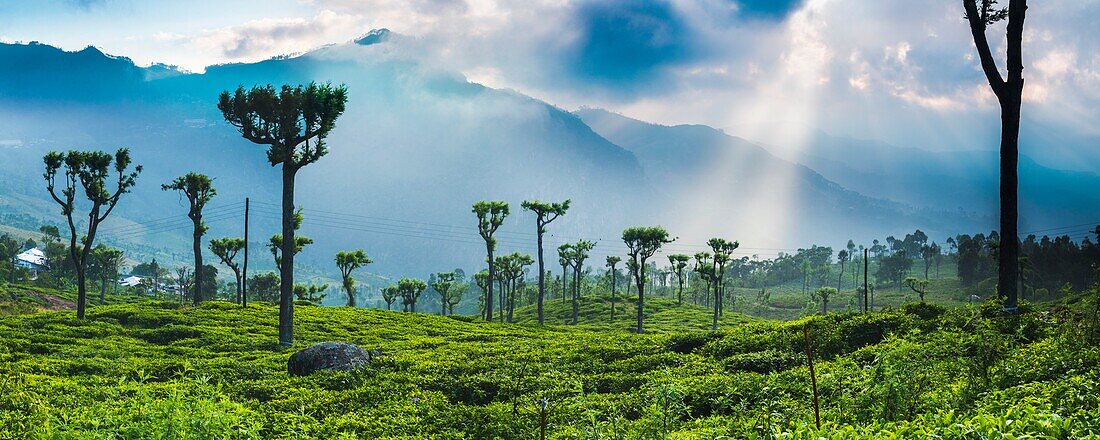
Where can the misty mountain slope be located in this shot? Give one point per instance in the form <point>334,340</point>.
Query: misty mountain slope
<point>416,146</point>
<point>955,180</point>
<point>750,193</point>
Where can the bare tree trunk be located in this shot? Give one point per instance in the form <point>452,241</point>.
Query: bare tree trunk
<point>542,278</point>
<point>1009,94</point>
<point>614,275</point>
<point>286,265</point>
<point>1009,251</point>
<point>576,293</point>
<point>639,279</point>
<point>489,284</point>
<point>563,277</point>
<point>197,248</point>
<point>718,300</point>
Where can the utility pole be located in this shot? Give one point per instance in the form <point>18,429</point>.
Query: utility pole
<point>866,293</point>
<point>244,281</point>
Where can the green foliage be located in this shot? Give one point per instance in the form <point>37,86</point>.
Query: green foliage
<point>170,370</point>
<point>286,119</point>
<point>348,261</point>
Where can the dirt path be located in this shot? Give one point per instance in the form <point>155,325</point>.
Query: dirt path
<point>56,303</point>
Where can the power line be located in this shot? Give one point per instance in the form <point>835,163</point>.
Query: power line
<point>1096,223</point>
<point>170,219</point>
<point>173,226</point>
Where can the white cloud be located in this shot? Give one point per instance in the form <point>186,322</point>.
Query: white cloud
<point>264,38</point>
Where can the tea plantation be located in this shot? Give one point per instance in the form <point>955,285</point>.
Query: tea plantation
<point>155,370</point>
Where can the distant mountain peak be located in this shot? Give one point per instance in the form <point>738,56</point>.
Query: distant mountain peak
<point>375,36</point>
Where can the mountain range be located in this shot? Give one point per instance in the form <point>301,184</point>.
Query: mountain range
<point>417,146</point>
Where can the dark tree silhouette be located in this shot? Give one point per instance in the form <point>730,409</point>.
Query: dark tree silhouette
<point>563,260</point>
<point>286,121</point>
<point>823,294</point>
<point>544,214</point>
<point>703,269</point>
<point>842,257</point>
<point>722,249</point>
<point>410,290</point>
<point>199,190</point>
<point>442,283</point>
<point>348,261</point>
<point>613,261</point>
<point>104,266</point>
<point>642,242</point>
<point>87,170</point>
<point>490,215</point>
<point>679,262</point>
<point>9,250</point>
<point>482,281</point>
<point>389,295</point>
<point>578,252</point>
<point>917,285</point>
<point>226,249</point>
<point>1009,91</point>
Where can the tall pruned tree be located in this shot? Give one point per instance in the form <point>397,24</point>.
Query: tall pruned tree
<point>490,215</point>
<point>722,249</point>
<point>451,287</point>
<point>613,261</point>
<point>410,290</point>
<point>275,245</point>
<point>511,271</point>
<point>545,213</point>
<point>642,242</point>
<point>348,261</point>
<point>704,269</point>
<point>104,266</point>
<point>226,249</point>
<point>917,285</point>
<point>185,280</point>
<point>311,293</point>
<point>1009,92</point>
<point>389,295</point>
<point>199,190</point>
<point>9,251</point>
<point>679,262</point>
<point>482,280</point>
<point>442,283</point>
<point>822,295</point>
<point>293,123</point>
<point>578,253</point>
<point>842,257</point>
<point>563,260</point>
<point>87,170</point>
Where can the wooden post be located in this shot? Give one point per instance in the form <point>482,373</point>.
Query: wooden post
<point>244,277</point>
<point>813,376</point>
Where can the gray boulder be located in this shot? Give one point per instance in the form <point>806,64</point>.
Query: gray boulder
<point>328,356</point>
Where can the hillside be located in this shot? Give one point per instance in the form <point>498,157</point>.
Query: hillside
<point>155,370</point>
<point>415,148</point>
<point>728,184</point>
<point>954,180</point>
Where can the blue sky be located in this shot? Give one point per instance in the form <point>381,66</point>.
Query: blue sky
<point>772,71</point>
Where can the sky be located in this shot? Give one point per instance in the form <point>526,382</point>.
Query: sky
<point>776,72</point>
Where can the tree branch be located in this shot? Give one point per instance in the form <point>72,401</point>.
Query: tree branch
<point>989,64</point>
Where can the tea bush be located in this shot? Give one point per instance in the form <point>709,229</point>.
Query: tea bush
<point>165,370</point>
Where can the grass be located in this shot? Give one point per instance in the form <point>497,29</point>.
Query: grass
<point>166,370</point>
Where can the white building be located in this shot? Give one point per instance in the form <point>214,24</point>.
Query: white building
<point>34,260</point>
<point>130,281</point>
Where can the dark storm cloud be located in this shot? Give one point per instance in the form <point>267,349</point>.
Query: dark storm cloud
<point>767,9</point>
<point>627,43</point>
